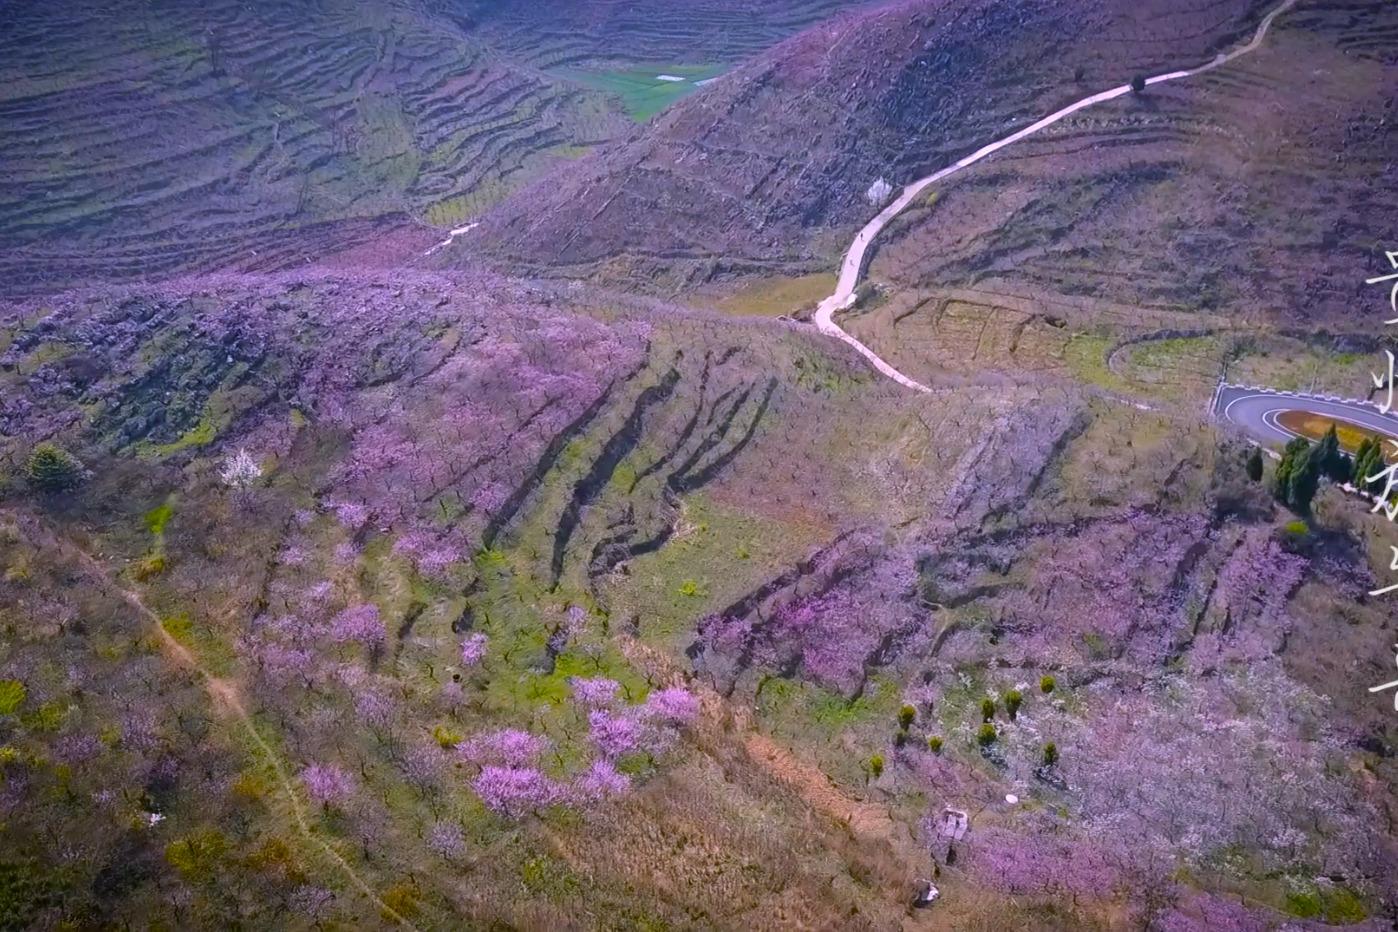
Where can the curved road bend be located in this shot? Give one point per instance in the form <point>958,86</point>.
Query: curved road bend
<point>1257,410</point>
<point>854,257</point>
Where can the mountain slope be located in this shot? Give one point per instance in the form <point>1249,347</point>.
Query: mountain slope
<point>756,171</point>
<point>1256,196</point>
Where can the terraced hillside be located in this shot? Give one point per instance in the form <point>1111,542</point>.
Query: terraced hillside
<point>769,168</point>
<point>427,601</point>
<point>143,139</point>
<point>573,32</point>
<point>1256,195</point>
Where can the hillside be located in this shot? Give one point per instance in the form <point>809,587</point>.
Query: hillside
<point>1225,208</point>
<point>571,576</point>
<point>520,585</point>
<point>572,32</point>
<point>144,140</point>
<point>767,169</point>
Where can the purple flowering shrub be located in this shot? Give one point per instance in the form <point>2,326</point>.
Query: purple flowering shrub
<point>513,782</point>
<point>833,636</point>
<point>360,624</point>
<point>327,784</point>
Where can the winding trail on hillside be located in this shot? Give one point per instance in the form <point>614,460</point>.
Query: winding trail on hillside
<point>451,238</point>
<point>226,697</point>
<point>853,264</point>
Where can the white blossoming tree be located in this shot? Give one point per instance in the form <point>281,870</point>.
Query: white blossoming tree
<point>879,192</point>
<point>240,470</point>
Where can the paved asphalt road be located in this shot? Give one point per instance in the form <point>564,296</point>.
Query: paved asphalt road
<point>1256,410</point>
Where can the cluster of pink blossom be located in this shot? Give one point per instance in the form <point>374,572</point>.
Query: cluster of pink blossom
<point>674,706</point>
<point>599,782</point>
<point>831,638</point>
<point>509,746</point>
<point>359,623</point>
<point>1244,760</point>
<point>516,791</point>
<point>594,692</point>
<point>1114,591</point>
<point>473,649</point>
<point>466,438</point>
<point>650,727</point>
<point>616,734</point>
<point>854,617</point>
<point>327,784</point>
<point>1247,620</point>
<point>1202,912</point>
<point>511,782</point>
<point>430,553</point>
<point>284,665</point>
<point>373,708</point>
<point>1040,863</point>
<point>353,515</point>
<point>446,840</point>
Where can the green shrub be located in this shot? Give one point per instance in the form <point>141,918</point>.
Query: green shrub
<point>906,716</point>
<point>1013,700</point>
<point>1050,754</point>
<point>1344,908</point>
<point>1294,536</point>
<point>934,744</point>
<point>149,567</point>
<point>986,736</point>
<point>1336,905</point>
<point>53,469</point>
<point>876,766</point>
<point>12,693</point>
<point>198,856</point>
<point>1333,462</point>
<point>1304,904</point>
<point>446,737</point>
<point>987,709</point>
<point>158,517</point>
<point>26,890</point>
<point>1368,461</point>
<point>1046,683</point>
<point>1298,474</point>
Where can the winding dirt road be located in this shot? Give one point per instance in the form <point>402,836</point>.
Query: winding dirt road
<point>854,258</point>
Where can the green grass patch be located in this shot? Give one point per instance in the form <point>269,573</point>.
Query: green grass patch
<point>12,695</point>
<point>641,90</point>
<point>718,553</point>
<point>158,517</point>
<point>214,655</point>
<point>1086,357</point>
<point>773,297</point>
<point>1335,905</point>
<point>216,414</point>
<point>796,707</point>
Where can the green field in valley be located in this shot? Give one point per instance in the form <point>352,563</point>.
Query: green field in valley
<point>645,90</point>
